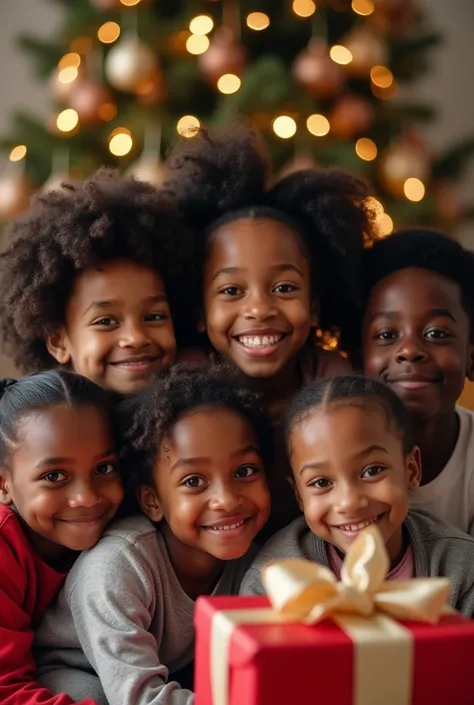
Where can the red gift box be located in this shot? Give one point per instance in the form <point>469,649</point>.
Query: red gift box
<point>296,664</point>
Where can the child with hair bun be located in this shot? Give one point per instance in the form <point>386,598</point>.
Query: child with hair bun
<point>92,280</point>
<point>59,488</point>
<point>276,263</point>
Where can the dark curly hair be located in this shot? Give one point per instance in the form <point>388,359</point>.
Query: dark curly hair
<point>73,229</point>
<point>221,177</point>
<point>351,390</point>
<point>421,248</point>
<point>145,419</point>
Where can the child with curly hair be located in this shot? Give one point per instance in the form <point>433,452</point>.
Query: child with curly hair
<point>195,450</point>
<point>59,488</point>
<point>418,337</point>
<point>90,279</point>
<point>277,262</point>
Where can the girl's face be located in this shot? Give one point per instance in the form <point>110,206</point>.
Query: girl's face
<point>210,485</point>
<point>63,477</point>
<point>118,328</point>
<point>257,295</point>
<point>350,471</point>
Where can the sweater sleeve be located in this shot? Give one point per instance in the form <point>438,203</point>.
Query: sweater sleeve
<point>112,607</point>
<point>17,666</point>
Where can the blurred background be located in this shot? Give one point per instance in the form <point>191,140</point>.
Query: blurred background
<point>380,87</point>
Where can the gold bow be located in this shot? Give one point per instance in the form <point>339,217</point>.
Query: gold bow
<point>307,592</point>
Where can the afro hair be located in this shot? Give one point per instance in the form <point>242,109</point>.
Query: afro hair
<point>73,229</point>
<point>421,248</point>
<point>218,176</point>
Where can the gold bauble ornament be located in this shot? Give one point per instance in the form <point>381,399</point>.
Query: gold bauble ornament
<point>149,169</point>
<point>15,193</point>
<point>225,55</point>
<point>130,63</point>
<point>403,160</point>
<point>367,49</point>
<point>351,116</point>
<point>61,90</point>
<point>316,72</point>
<point>87,98</point>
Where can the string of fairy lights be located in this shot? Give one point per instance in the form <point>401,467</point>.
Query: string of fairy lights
<point>195,40</point>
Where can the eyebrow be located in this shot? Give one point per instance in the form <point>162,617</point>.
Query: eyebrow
<point>357,456</point>
<point>192,462</point>
<point>64,460</point>
<point>158,298</point>
<point>440,312</point>
<point>277,268</point>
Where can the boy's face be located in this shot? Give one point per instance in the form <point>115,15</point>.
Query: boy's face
<point>257,295</point>
<point>118,328</point>
<point>350,471</point>
<point>416,339</point>
<point>210,486</point>
<point>63,478</point>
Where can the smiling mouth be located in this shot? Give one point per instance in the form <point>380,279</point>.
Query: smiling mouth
<point>138,363</point>
<point>355,527</point>
<point>233,526</point>
<point>414,383</point>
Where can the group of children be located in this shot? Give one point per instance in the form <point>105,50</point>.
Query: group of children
<point>130,485</point>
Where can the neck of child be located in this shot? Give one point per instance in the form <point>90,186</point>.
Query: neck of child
<point>197,571</point>
<point>436,438</point>
<point>57,557</point>
<point>277,391</point>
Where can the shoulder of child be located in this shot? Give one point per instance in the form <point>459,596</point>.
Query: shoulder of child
<point>13,545</point>
<point>286,543</point>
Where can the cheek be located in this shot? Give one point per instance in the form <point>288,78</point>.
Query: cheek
<point>38,505</point>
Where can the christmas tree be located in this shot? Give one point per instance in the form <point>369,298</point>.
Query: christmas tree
<point>320,81</point>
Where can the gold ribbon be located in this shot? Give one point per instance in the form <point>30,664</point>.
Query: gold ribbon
<point>362,603</point>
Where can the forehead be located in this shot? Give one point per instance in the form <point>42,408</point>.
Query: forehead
<point>112,278</point>
<point>256,240</point>
<point>208,432</point>
<point>62,430</point>
<point>414,291</point>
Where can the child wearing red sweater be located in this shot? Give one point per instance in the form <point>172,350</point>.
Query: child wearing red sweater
<point>59,488</point>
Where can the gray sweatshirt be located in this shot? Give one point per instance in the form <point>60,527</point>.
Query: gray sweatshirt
<point>124,617</point>
<point>440,550</point>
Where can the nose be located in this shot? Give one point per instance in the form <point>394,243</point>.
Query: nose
<point>83,495</point>
<point>260,305</point>
<point>410,350</point>
<point>350,498</point>
<point>224,498</point>
<point>134,335</point>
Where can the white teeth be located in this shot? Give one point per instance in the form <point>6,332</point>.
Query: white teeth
<point>227,527</point>
<point>357,527</point>
<point>259,341</point>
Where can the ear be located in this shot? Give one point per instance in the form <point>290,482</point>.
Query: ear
<point>413,467</point>
<point>5,494</point>
<point>57,345</point>
<point>470,364</point>
<point>293,486</point>
<point>149,503</point>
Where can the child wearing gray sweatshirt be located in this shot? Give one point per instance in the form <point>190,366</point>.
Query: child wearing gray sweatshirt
<point>354,462</point>
<point>195,448</point>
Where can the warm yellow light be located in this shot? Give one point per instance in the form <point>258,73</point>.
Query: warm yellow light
<point>381,76</point>
<point>376,207</point>
<point>229,83</point>
<point>18,153</point>
<point>414,189</point>
<point>340,54</point>
<point>68,75</point>
<point>385,225</point>
<point>384,93</point>
<point>120,144</point>
<point>197,44</point>
<point>107,112</point>
<point>120,131</point>
<point>109,32</point>
<point>284,126</point>
<point>318,125</point>
<point>188,125</point>
<point>366,149</point>
<point>363,7</point>
<point>129,3</point>
<point>71,60</point>
<point>67,120</point>
<point>304,8</point>
<point>202,24</point>
<point>258,21</point>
